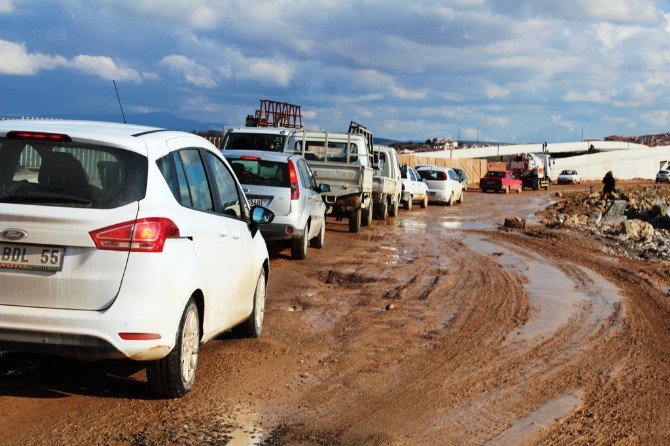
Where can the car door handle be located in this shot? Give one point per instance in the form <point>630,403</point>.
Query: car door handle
<point>236,235</point>
<point>223,233</point>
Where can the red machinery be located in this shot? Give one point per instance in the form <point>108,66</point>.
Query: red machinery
<point>276,114</point>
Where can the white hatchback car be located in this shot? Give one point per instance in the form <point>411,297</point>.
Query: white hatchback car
<point>444,185</point>
<point>121,241</point>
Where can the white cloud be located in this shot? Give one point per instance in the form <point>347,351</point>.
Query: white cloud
<point>193,73</point>
<point>18,61</point>
<point>495,91</point>
<point>105,68</point>
<point>6,6</point>
<point>592,96</point>
<point>266,71</point>
<point>497,121</point>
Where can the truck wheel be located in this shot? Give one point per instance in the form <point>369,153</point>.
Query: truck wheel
<point>518,189</point>
<point>173,375</point>
<point>299,245</point>
<point>355,220</point>
<point>366,217</point>
<point>318,241</point>
<point>507,189</point>
<point>393,211</point>
<point>384,211</point>
<point>408,203</point>
<point>424,203</point>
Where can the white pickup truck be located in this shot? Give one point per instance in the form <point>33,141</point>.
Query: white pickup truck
<point>387,184</point>
<point>344,161</point>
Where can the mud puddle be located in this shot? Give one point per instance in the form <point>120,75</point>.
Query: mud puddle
<point>524,428</point>
<point>556,295</point>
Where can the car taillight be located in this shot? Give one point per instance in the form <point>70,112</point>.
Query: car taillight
<point>144,235</point>
<point>403,187</point>
<point>250,158</point>
<point>293,178</point>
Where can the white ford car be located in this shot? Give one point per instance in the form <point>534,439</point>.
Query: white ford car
<point>120,241</point>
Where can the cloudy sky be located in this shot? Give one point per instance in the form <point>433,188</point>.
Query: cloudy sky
<point>516,70</point>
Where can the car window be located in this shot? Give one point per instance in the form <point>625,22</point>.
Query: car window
<point>433,175</point>
<point>253,141</point>
<point>304,176</point>
<point>224,183</point>
<point>69,174</point>
<point>311,181</point>
<point>453,175</point>
<point>336,152</point>
<point>196,179</point>
<point>258,172</point>
<point>415,176</point>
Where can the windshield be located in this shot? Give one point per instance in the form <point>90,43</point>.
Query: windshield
<point>70,174</point>
<point>495,174</point>
<point>260,172</point>
<point>253,141</point>
<point>433,175</point>
<point>337,152</point>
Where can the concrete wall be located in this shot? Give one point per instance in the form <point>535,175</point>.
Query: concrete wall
<point>565,147</point>
<point>474,168</point>
<point>624,164</point>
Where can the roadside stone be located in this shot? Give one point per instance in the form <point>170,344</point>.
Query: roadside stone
<point>515,223</point>
<point>595,218</point>
<point>637,230</point>
<point>575,220</point>
<point>390,307</point>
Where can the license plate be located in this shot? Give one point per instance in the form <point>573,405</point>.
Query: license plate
<point>256,201</point>
<point>31,257</point>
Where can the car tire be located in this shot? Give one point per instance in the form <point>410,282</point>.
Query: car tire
<point>318,241</point>
<point>173,375</point>
<point>366,217</point>
<point>518,189</point>
<point>424,203</point>
<point>299,245</point>
<point>253,326</point>
<point>451,200</point>
<point>408,203</point>
<point>460,200</point>
<point>355,220</point>
<point>393,210</point>
<point>507,189</point>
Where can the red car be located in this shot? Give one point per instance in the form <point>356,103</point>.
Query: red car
<point>500,181</point>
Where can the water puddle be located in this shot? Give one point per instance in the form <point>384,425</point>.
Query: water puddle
<point>555,296</point>
<point>241,427</point>
<point>524,428</point>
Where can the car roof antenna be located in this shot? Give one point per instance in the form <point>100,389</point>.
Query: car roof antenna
<point>119,98</point>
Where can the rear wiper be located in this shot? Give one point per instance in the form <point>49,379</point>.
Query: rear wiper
<point>44,197</point>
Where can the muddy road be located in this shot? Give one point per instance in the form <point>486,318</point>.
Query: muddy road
<point>431,328</point>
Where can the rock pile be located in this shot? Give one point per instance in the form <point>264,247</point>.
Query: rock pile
<point>637,220</point>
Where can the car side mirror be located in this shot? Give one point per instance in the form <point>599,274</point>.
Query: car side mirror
<point>261,215</point>
<point>324,188</point>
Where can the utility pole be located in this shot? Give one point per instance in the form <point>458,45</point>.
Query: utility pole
<point>477,134</point>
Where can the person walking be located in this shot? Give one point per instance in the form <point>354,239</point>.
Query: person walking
<point>609,185</point>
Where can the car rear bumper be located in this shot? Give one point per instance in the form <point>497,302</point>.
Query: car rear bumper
<point>284,228</point>
<point>439,196</point>
<point>84,334</point>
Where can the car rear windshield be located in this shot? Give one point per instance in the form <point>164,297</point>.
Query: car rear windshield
<point>261,172</point>
<point>433,175</point>
<point>70,174</point>
<point>495,174</point>
<point>253,141</point>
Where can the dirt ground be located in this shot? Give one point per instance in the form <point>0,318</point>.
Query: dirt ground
<point>432,328</point>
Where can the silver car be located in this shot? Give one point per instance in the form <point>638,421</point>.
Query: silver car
<point>284,183</point>
<point>663,176</point>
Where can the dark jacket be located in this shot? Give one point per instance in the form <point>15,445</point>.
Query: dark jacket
<point>609,183</point>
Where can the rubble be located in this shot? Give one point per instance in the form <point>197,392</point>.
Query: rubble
<point>636,223</point>
<point>515,223</point>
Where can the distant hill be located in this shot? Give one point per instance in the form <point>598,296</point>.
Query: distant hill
<point>384,141</point>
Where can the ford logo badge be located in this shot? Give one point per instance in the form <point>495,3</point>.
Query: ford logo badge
<point>13,234</point>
